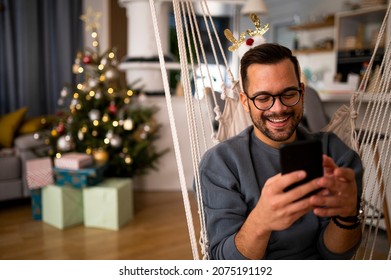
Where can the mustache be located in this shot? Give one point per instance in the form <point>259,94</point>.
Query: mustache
<point>274,115</point>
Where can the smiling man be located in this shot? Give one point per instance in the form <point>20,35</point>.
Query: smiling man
<point>248,214</point>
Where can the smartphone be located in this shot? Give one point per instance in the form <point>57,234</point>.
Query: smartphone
<point>302,155</point>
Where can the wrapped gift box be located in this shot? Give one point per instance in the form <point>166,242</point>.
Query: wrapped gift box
<point>39,172</point>
<point>36,204</point>
<point>73,161</point>
<point>108,205</point>
<point>62,207</point>
<point>79,178</point>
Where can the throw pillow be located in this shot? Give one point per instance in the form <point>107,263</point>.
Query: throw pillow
<point>9,124</point>
<point>35,124</point>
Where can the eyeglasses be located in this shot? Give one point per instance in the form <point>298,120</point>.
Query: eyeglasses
<point>289,97</point>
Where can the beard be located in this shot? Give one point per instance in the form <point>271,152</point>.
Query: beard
<point>277,134</point>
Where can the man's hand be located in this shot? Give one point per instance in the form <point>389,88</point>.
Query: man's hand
<point>275,210</point>
<point>278,210</point>
<point>339,197</point>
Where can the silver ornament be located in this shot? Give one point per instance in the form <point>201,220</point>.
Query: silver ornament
<point>80,135</point>
<point>103,61</point>
<point>98,94</point>
<point>94,114</point>
<point>111,74</point>
<point>92,83</point>
<point>64,92</point>
<point>128,124</point>
<point>116,141</point>
<point>64,143</point>
<point>109,134</point>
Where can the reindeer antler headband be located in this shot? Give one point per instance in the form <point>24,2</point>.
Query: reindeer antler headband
<point>256,36</point>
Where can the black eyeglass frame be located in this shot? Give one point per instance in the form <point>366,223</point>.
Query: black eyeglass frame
<point>274,96</point>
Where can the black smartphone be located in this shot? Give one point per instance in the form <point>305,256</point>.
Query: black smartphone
<point>302,155</point>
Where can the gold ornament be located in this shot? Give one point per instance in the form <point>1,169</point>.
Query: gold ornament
<point>128,159</point>
<point>54,133</point>
<point>88,151</point>
<point>100,156</point>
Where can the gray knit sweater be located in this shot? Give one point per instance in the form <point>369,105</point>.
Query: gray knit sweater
<point>232,176</point>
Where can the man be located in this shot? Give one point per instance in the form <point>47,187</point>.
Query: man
<point>248,214</point>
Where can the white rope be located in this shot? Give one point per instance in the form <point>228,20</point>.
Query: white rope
<point>195,38</point>
<point>196,155</point>
<point>174,130</point>
<point>193,34</point>
<point>368,141</point>
<point>374,117</point>
<point>198,42</point>
<point>217,37</point>
<point>203,7</point>
<point>364,81</point>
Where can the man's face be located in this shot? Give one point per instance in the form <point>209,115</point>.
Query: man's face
<point>278,124</point>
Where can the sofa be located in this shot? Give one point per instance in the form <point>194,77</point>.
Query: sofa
<point>17,144</point>
<point>13,183</point>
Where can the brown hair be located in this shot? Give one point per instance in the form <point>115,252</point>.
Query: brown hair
<point>268,53</point>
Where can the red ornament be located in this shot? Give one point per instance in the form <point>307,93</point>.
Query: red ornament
<point>112,109</point>
<point>60,128</point>
<point>249,41</point>
<point>87,59</point>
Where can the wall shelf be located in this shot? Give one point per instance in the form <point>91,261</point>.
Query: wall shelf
<point>329,22</point>
<point>149,65</point>
<point>312,51</point>
<point>356,35</point>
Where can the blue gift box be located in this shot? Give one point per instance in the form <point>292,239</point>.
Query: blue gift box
<point>36,204</point>
<point>79,178</point>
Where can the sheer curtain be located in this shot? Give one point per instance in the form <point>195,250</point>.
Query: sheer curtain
<point>38,43</point>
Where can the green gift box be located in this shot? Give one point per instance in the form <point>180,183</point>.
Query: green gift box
<point>109,204</point>
<point>62,206</point>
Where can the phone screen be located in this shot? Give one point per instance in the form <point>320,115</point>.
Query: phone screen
<point>302,155</point>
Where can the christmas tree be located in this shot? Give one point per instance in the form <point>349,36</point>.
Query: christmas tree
<point>101,117</point>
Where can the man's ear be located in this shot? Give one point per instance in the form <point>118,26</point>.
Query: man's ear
<point>244,101</point>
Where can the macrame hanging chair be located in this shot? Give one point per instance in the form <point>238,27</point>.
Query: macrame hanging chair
<point>366,129</point>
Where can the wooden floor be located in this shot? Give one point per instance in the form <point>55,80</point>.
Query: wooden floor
<point>157,232</point>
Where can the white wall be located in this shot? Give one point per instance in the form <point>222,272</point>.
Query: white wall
<point>166,178</point>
